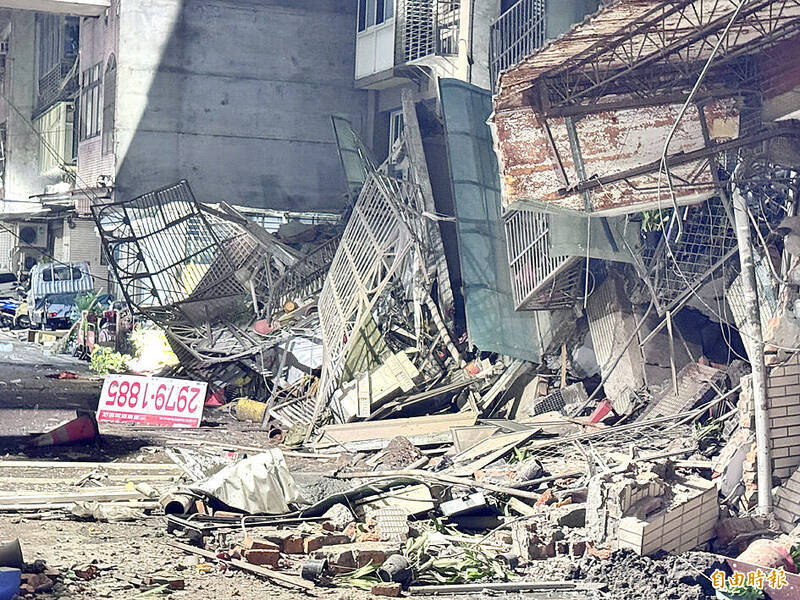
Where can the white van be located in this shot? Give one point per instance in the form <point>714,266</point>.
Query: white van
<point>54,287</point>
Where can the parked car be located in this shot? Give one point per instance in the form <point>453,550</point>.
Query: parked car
<point>54,287</point>
<point>14,313</point>
<point>9,285</point>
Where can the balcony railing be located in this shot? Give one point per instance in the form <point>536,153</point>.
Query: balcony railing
<point>427,28</point>
<point>516,34</point>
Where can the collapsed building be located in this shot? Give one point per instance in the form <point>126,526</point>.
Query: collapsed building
<point>558,267</point>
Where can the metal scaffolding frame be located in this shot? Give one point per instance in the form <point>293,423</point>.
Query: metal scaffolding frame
<point>668,39</point>
<point>688,256</point>
<point>380,247</point>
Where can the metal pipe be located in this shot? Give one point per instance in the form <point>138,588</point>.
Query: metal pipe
<point>759,369</point>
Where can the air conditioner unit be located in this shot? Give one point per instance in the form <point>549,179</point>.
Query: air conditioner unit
<point>32,235</point>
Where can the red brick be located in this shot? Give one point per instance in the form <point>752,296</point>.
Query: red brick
<point>391,590</point>
<point>324,539</point>
<point>257,544</point>
<point>263,557</point>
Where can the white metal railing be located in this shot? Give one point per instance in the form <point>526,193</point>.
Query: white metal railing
<point>516,34</point>
<point>539,281</point>
<point>427,28</point>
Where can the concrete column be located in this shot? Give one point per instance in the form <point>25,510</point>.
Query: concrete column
<point>22,152</point>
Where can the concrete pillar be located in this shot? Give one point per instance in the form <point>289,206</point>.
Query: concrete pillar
<point>22,152</point>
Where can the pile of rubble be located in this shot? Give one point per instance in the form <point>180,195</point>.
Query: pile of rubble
<point>462,469</point>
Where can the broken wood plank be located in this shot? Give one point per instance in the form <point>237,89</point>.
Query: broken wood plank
<point>71,496</point>
<point>240,564</point>
<point>57,464</point>
<point>520,507</point>
<point>509,376</point>
<point>466,437</point>
<point>490,450</point>
<point>391,428</point>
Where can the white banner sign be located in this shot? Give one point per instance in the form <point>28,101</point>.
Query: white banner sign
<point>151,401</point>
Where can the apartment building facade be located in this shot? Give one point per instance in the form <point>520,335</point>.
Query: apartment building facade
<point>233,95</point>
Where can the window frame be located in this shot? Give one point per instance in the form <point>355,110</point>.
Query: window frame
<point>373,13</point>
<point>91,124</point>
<point>109,105</point>
<point>396,127</point>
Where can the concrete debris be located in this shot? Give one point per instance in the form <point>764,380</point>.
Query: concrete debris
<point>542,373</point>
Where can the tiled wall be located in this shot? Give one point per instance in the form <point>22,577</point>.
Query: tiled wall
<point>783,399</point>
<point>678,530</point>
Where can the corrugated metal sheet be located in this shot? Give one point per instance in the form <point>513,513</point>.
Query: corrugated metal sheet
<point>492,323</point>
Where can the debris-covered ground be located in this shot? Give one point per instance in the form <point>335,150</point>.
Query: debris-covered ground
<point>573,372</point>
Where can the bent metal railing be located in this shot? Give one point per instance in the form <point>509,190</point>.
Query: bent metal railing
<point>516,34</point>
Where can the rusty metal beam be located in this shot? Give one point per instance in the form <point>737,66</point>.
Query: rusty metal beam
<point>787,129</point>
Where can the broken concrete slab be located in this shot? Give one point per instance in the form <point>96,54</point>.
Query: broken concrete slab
<point>346,557</point>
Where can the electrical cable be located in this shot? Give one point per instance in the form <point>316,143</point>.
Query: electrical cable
<point>88,192</point>
<point>685,107</point>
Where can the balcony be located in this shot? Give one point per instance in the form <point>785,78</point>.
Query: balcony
<point>404,33</point>
<point>517,33</point>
